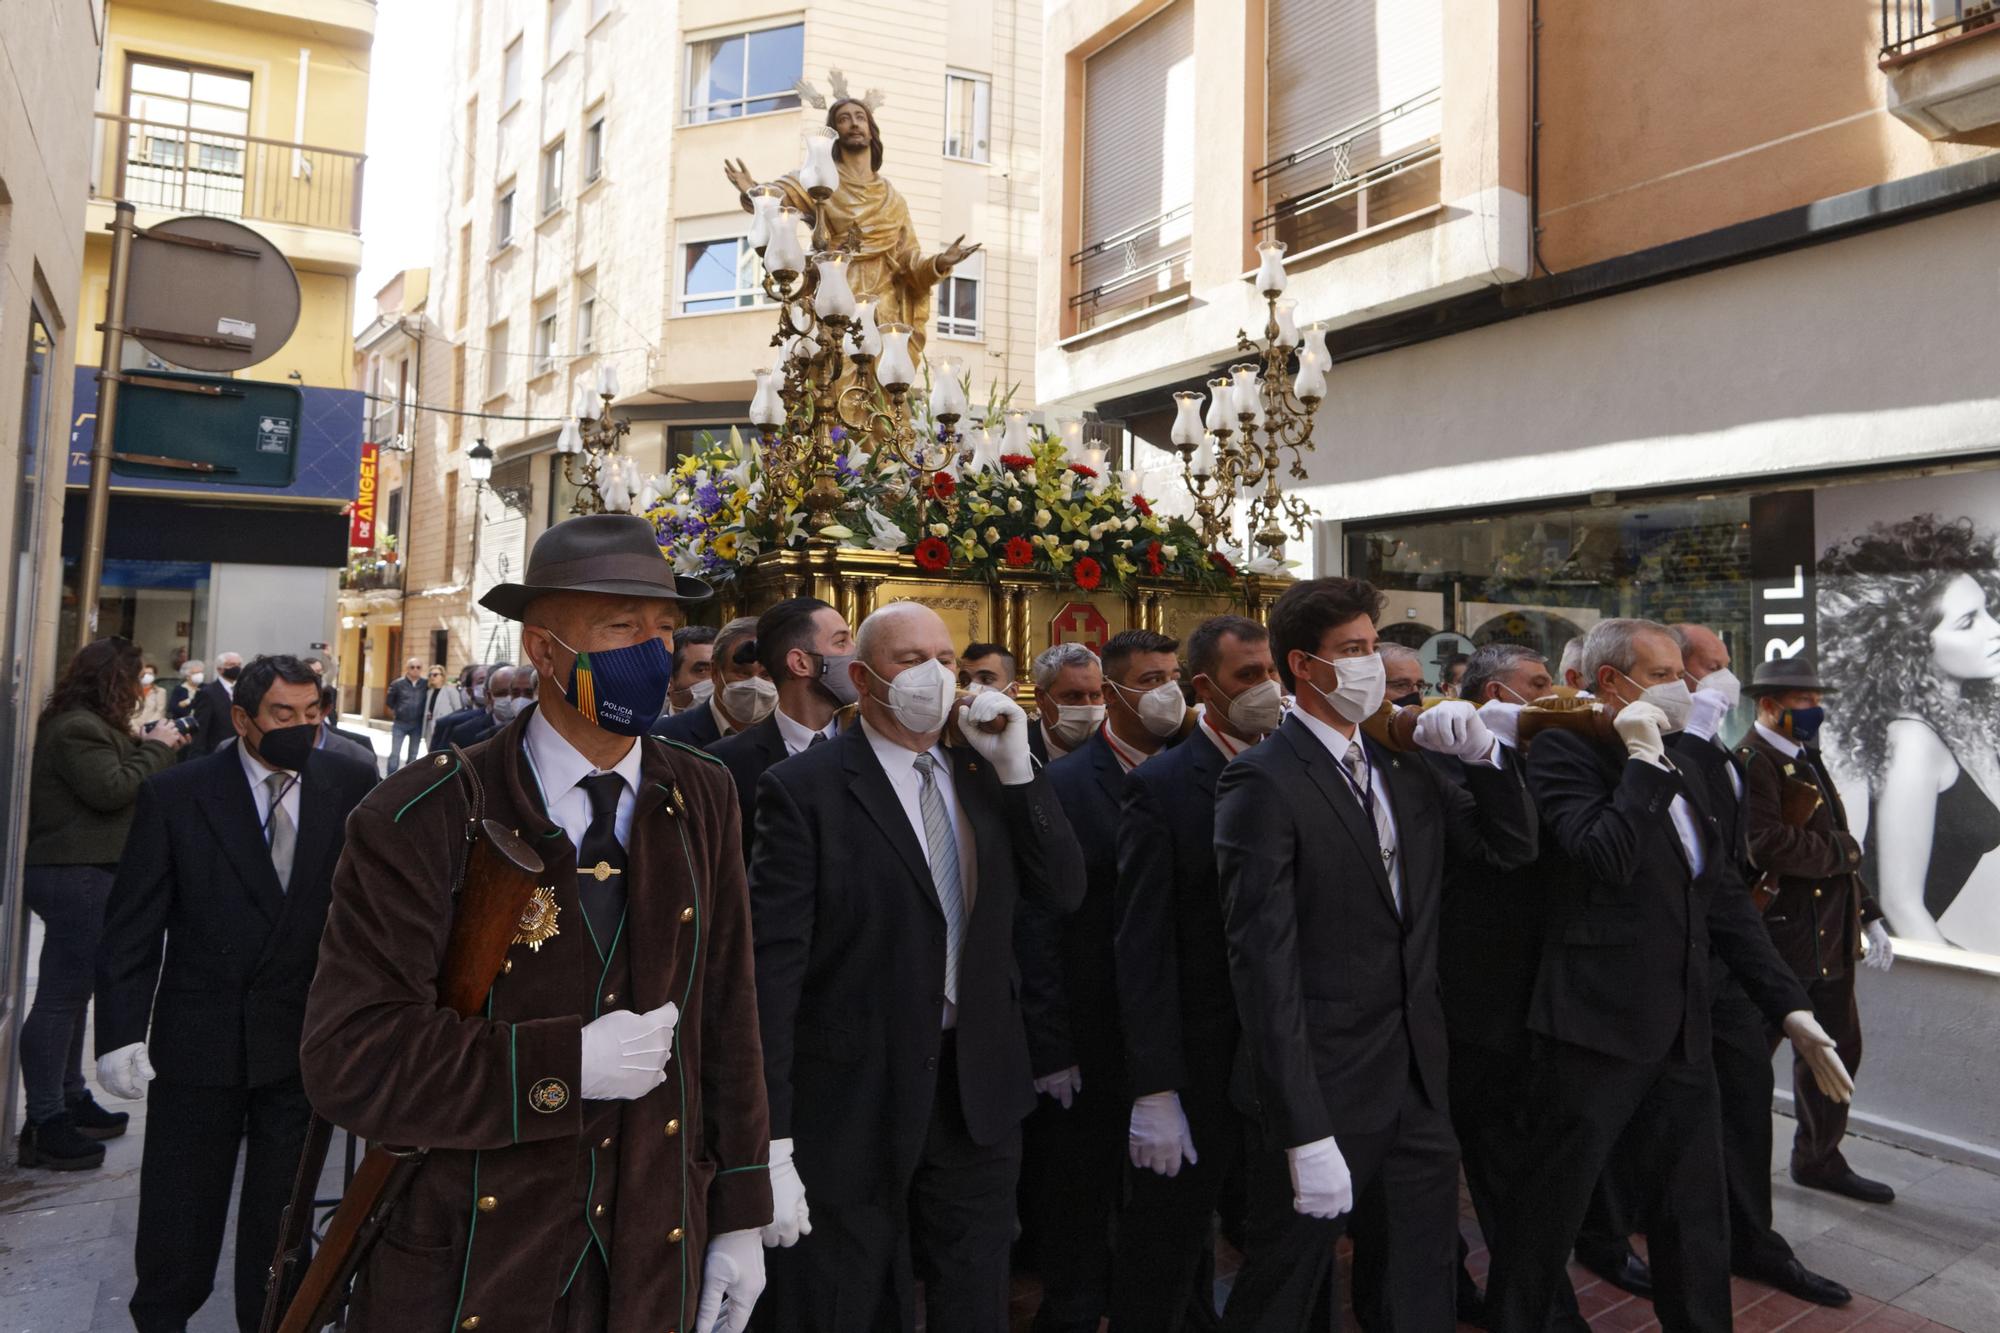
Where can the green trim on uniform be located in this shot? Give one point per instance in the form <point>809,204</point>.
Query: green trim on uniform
<point>680,1062</point>
<point>693,750</point>
<point>730,1171</point>
<point>465,1271</point>
<point>428,790</point>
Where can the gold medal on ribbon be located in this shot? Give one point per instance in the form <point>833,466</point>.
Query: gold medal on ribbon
<point>538,919</point>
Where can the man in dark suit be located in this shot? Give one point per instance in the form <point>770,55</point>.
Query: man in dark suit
<point>803,644</point>
<point>1641,885</point>
<point>1073,1145</point>
<point>1184,1134</point>
<point>1332,851</point>
<point>743,695</point>
<point>694,668</point>
<point>480,690</point>
<point>1069,695</point>
<point>883,894</point>
<point>1823,911</point>
<point>509,695</point>
<point>229,867</point>
<point>211,708</point>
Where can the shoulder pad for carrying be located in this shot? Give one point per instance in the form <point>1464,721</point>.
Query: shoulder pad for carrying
<point>696,751</point>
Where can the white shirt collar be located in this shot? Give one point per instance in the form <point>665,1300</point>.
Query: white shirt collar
<point>899,759</point>
<point>1785,744</point>
<point>1335,743</point>
<point>560,766</point>
<point>254,768</point>
<point>722,725</point>
<point>797,735</point>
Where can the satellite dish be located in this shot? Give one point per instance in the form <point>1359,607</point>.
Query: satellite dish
<point>210,294</point>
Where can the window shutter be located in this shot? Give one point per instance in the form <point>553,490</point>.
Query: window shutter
<point>1334,64</point>
<point>1138,148</point>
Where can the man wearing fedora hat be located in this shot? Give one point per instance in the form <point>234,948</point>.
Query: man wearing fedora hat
<point>1823,910</point>
<point>599,1133</point>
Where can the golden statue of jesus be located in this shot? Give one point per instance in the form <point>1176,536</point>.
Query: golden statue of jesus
<point>866,216</point>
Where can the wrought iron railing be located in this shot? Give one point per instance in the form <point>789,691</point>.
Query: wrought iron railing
<point>181,170</point>
<point>1348,180</point>
<point>372,576</point>
<point>1910,26</point>
<point>1132,267</point>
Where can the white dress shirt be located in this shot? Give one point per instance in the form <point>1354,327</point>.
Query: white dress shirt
<point>1785,745</point>
<point>1336,745</point>
<point>723,726</point>
<point>797,735</point>
<point>559,768</point>
<point>901,767</point>
<point>259,773</point>
<point>1229,745</point>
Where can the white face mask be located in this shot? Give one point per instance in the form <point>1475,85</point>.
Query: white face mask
<point>701,691</point>
<point>507,707</point>
<point>1257,711</point>
<point>1073,724</point>
<point>1160,709</point>
<point>1361,684</point>
<point>920,696</point>
<point>1724,683</point>
<point>1671,697</point>
<point>197,677</point>
<point>146,678</point>
<point>749,700</point>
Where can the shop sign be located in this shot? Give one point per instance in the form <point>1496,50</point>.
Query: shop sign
<point>361,532</point>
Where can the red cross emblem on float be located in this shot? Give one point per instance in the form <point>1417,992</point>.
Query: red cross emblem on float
<point>1079,622</point>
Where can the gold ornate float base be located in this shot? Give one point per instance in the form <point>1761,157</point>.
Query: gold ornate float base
<point>1027,612</point>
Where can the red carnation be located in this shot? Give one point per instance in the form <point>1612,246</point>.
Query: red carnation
<point>1088,574</point>
<point>1015,462</point>
<point>1020,552</point>
<point>1154,563</point>
<point>1139,503</point>
<point>1222,563</point>
<point>932,554</point>
<point>1083,471</point>
<point>943,486</point>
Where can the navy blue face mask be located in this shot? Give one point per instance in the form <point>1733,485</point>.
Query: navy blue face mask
<point>1803,724</point>
<point>621,690</point>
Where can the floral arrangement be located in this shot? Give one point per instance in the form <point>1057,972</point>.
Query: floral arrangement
<point>999,514</point>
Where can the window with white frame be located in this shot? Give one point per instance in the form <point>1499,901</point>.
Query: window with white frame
<point>960,298</point>
<point>510,76</point>
<point>593,146</point>
<point>744,73</point>
<point>586,313</point>
<point>496,359</point>
<point>545,335</point>
<point>552,177</point>
<point>968,116</point>
<point>560,14</point>
<point>503,217</point>
<point>723,274</point>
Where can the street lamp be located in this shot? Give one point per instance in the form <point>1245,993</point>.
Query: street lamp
<point>479,462</point>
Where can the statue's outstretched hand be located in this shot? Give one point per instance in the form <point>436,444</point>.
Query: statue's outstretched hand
<point>739,175</point>
<point>957,253</point>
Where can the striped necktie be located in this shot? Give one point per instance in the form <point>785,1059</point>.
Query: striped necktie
<point>284,837</point>
<point>941,841</point>
<point>1363,782</point>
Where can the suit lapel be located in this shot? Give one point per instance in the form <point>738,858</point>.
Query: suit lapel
<point>232,812</point>
<point>870,786</point>
<point>1333,788</point>
<point>1398,782</point>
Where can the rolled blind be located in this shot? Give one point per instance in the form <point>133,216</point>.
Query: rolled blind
<point>1139,143</point>
<point>1335,63</point>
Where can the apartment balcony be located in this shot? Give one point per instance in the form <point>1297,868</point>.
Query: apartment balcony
<point>307,200</point>
<point>1942,62</point>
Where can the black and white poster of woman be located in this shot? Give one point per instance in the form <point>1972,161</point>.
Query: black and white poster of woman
<point>1906,595</point>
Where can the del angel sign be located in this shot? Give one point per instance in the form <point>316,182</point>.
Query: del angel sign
<point>361,533</point>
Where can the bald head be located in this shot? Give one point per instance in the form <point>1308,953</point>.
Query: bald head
<point>899,631</point>
<point>500,682</point>
<point>1702,649</point>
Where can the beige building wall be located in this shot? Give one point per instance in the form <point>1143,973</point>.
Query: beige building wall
<point>51,49</point>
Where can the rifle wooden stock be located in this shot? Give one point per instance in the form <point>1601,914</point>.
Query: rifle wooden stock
<point>1797,801</point>
<point>496,890</point>
<point>1559,712</point>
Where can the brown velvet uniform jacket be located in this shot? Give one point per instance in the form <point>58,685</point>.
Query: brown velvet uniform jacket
<point>523,1173</point>
<point>1817,917</point>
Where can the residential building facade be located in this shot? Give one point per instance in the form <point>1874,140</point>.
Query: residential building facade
<point>253,112</point>
<point>589,226</point>
<point>52,48</point>
<point>1701,339</point>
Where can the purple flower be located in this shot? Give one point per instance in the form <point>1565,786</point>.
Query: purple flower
<point>708,497</point>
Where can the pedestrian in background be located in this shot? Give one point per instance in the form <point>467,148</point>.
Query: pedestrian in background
<point>211,705</point>
<point>152,699</point>
<point>472,706</point>
<point>87,771</point>
<point>441,697</point>
<point>350,743</point>
<point>408,696</point>
<point>181,703</point>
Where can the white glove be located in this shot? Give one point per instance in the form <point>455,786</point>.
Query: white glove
<point>1724,683</point>
<point>1321,1186</point>
<point>1880,952</point>
<point>1705,714</point>
<point>732,1278</point>
<point>1158,1137</point>
<point>1063,1085</point>
<point>1639,725</point>
<point>1503,720</point>
<point>1007,751</point>
<point>1454,728</point>
<point>1809,1039</point>
<point>625,1054</point>
<point>125,1072</point>
<point>790,1218</point>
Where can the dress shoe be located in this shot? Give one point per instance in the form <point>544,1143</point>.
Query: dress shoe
<point>1795,1279</point>
<point>93,1121</point>
<point>55,1144</point>
<point>1622,1269</point>
<point>1843,1180</point>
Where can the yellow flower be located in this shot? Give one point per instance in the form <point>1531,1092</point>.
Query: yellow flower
<point>725,546</point>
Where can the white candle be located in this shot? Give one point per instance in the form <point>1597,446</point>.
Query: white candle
<point>1315,342</point>
<point>895,369</point>
<point>947,394</point>
<point>1204,457</point>
<point>1310,383</point>
<point>819,171</point>
<point>586,405</point>
<point>833,297</point>
<point>1015,438</point>
<point>867,339</point>
<point>1187,419</point>
<point>784,255</point>
<point>607,381</point>
<point>765,201</point>
<point>1093,458</point>
<point>569,440</point>
<point>1288,329</point>
<point>1248,399</point>
<point>1071,431</point>
<point>981,440</point>
<point>1271,267</point>
<point>1221,413</point>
